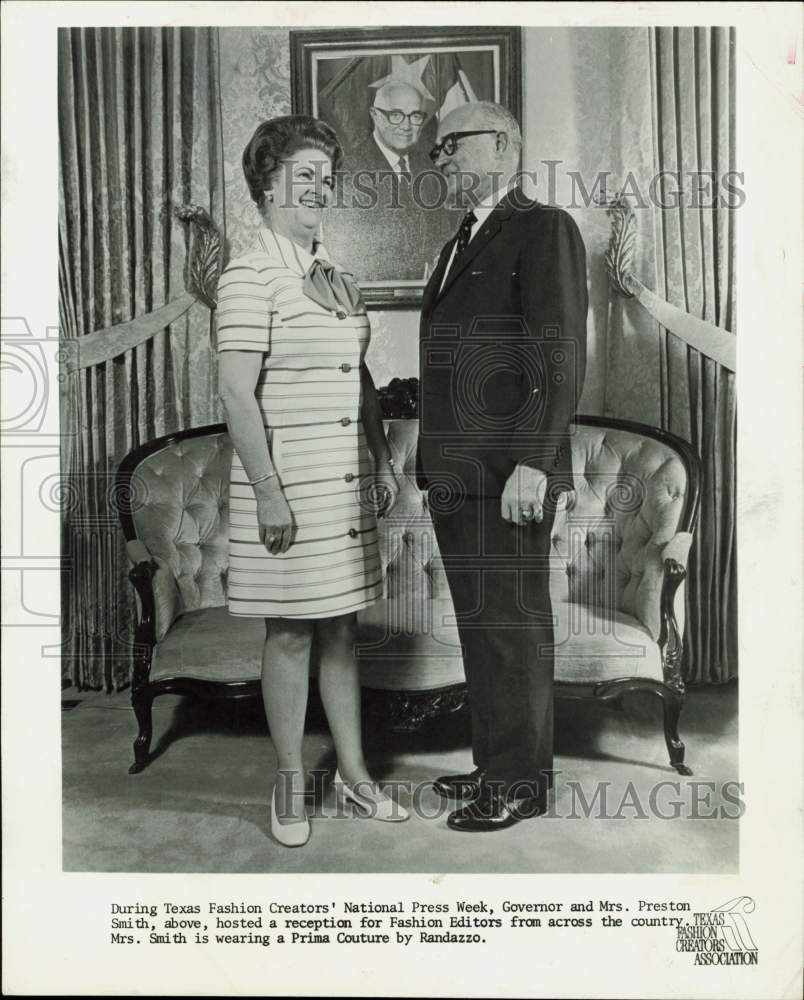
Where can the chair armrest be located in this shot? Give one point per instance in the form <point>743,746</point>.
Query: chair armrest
<point>677,549</point>
<point>156,589</point>
<point>670,638</point>
<point>141,575</point>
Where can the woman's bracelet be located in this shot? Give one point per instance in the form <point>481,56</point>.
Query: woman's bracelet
<point>261,479</point>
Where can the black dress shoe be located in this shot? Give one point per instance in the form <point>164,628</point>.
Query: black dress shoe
<point>464,787</point>
<point>493,811</point>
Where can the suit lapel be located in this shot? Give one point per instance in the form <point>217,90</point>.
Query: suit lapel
<point>488,231</point>
<point>431,288</point>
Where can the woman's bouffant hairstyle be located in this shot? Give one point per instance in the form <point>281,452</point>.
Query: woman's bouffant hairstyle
<point>279,138</point>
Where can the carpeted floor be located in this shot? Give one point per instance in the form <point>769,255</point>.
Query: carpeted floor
<point>202,803</point>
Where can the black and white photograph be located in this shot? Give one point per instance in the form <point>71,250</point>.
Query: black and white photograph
<point>530,554</point>
<point>403,532</point>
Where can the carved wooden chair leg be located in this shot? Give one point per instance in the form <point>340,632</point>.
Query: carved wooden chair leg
<point>409,713</point>
<point>670,642</point>
<point>672,704</point>
<point>141,702</point>
<point>402,714</point>
<point>142,575</point>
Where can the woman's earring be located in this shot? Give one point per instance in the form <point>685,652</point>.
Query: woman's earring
<point>269,196</point>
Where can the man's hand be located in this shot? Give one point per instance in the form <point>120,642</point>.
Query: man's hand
<point>523,495</point>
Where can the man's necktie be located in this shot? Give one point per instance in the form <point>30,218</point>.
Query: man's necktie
<point>404,169</point>
<point>465,232</point>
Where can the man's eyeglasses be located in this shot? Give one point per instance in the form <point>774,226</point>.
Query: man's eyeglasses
<point>449,143</point>
<point>396,117</point>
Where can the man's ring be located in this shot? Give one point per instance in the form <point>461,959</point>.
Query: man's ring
<point>526,513</point>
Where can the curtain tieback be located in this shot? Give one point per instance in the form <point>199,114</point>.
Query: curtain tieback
<point>333,289</point>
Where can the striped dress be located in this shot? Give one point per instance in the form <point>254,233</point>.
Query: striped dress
<point>309,395</point>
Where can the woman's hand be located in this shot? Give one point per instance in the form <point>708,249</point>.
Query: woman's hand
<point>384,489</point>
<point>274,518</point>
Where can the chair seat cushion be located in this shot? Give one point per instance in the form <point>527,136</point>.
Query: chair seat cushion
<point>210,645</point>
<point>593,646</point>
<point>413,653</point>
<point>418,652</point>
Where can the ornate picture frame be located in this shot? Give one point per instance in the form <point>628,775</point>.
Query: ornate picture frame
<point>388,221</point>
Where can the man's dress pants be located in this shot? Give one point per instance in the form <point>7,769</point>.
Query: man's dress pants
<point>498,576</point>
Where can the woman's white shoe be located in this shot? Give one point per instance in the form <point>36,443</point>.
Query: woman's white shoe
<point>385,809</point>
<point>289,834</point>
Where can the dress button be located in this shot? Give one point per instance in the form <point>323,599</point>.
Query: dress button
<point>346,367</point>
<point>340,314</point>
<point>349,477</point>
<point>346,421</point>
<point>353,533</point>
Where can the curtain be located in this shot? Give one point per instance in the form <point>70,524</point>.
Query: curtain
<point>693,91</point>
<point>139,134</point>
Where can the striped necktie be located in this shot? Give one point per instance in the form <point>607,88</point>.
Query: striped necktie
<point>465,232</point>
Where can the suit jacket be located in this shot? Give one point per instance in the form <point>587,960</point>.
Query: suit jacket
<point>367,155</point>
<point>503,352</point>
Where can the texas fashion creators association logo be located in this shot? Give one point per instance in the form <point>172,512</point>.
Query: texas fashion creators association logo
<point>720,936</point>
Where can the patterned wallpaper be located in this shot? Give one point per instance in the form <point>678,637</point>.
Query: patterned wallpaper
<point>255,85</point>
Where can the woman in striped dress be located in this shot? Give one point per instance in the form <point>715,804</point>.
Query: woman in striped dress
<point>303,415</point>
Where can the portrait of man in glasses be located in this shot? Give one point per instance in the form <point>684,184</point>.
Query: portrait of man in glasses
<point>397,117</point>
<point>392,199</point>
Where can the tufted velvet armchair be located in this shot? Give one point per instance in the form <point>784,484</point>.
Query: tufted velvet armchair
<point>620,543</point>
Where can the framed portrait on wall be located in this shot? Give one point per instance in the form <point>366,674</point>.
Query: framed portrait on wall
<point>384,92</point>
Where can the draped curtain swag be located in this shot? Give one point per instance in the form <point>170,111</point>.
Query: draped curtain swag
<point>139,134</point>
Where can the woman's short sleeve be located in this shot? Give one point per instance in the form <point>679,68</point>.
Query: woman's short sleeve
<point>245,311</point>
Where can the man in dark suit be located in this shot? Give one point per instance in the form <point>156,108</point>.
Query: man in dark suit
<point>503,354</point>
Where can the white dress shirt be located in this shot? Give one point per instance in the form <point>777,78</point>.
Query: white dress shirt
<point>389,154</point>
